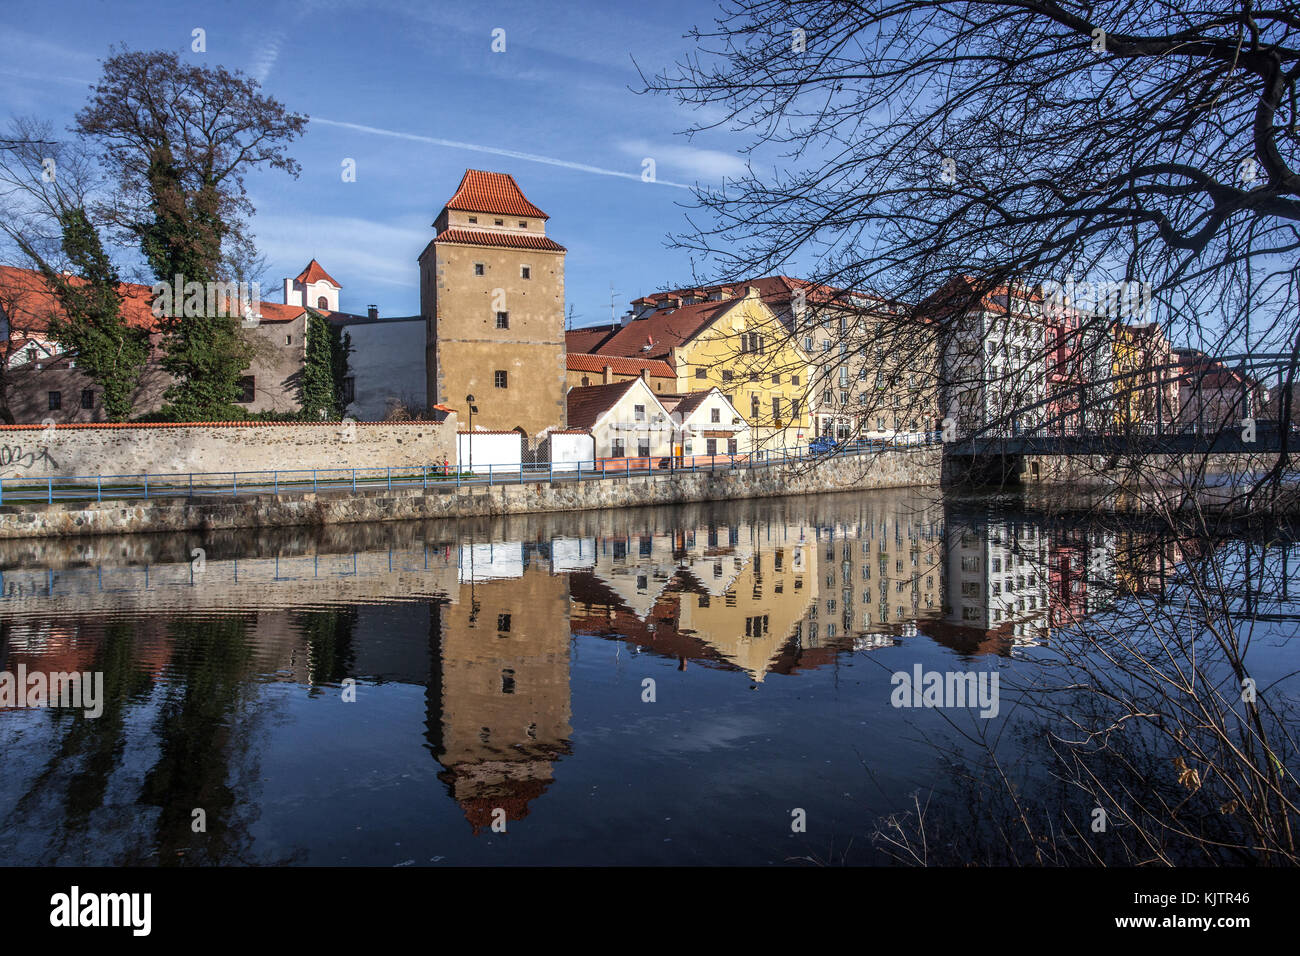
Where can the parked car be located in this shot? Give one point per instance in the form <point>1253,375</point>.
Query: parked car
<point>823,446</point>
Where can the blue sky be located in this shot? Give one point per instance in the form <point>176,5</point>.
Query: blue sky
<point>394,85</point>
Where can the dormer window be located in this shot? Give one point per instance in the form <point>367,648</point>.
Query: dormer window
<point>498,222</point>
<point>523,224</point>
<point>473,219</point>
<point>322,303</point>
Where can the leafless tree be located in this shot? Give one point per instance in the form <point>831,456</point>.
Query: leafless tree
<point>897,144</point>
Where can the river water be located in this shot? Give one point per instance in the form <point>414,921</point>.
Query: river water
<point>707,684</point>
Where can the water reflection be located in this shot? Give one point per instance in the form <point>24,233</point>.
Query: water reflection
<point>225,678</point>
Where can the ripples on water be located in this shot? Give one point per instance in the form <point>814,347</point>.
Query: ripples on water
<point>500,674</point>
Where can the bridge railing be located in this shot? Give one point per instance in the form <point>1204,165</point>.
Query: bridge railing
<point>193,485</point>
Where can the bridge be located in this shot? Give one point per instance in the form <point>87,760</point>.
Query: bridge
<point>1085,417</point>
<point>1139,440</point>
<point>1094,418</point>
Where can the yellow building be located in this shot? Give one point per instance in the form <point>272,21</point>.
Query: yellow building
<point>729,593</point>
<point>872,364</point>
<point>736,343</point>
<point>1143,356</point>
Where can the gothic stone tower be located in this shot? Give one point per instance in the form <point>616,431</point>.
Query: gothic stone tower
<point>492,296</point>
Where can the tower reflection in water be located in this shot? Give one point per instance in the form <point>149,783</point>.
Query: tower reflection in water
<point>486,621</point>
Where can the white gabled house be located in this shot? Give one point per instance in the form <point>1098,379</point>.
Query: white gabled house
<point>630,423</point>
<point>626,420</point>
<point>707,424</point>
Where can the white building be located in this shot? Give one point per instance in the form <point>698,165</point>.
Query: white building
<point>707,424</point>
<point>625,419</point>
<point>995,365</point>
<point>313,288</point>
<point>385,364</point>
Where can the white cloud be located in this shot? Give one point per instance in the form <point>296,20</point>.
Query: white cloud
<point>265,59</point>
<point>357,252</point>
<point>704,164</point>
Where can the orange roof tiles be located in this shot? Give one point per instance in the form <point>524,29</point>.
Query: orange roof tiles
<point>588,402</point>
<point>654,336</point>
<point>314,273</point>
<point>588,339</point>
<point>29,302</point>
<point>770,288</point>
<point>686,403</point>
<point>497,193</point>
<point>475,237</point>
<point>619,364</point>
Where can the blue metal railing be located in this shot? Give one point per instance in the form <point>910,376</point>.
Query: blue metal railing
<point>298,481</point>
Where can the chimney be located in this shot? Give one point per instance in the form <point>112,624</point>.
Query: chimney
<point>372,311</point>
<point>645,375</point>
<point>608,374</point>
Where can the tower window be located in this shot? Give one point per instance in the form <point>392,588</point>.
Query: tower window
<point>56,400</point>
<point>247,388</point>
<point>87,398</point>
<point>499,378</point>
<point>525,272</point>
<point>478,268</point>
<point>503,320</point>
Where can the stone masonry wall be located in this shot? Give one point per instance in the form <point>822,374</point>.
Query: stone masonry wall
<point>38,452</point>
<point>892,469</point>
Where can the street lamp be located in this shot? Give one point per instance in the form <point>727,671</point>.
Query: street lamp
<point>469,400</point>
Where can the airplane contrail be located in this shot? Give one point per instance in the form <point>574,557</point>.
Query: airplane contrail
<point>495,150</point>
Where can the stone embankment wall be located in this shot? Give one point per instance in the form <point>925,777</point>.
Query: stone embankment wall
<point>62,451</point>
<point>889,469</point>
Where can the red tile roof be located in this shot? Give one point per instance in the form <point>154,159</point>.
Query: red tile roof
<point>619,364</point>
<point>772,289</point>
<point>686,404</point>
<point>588,339</point>
<point>588,402</point>
<point>29,302</point>
<point>476,237</point>
<point>314,273</point>
<point>655,335</point>
<point>964,293</point>
<point>497,193</point>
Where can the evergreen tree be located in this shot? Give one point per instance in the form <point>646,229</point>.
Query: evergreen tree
<point>110,352</point>
<point>325,369</point>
